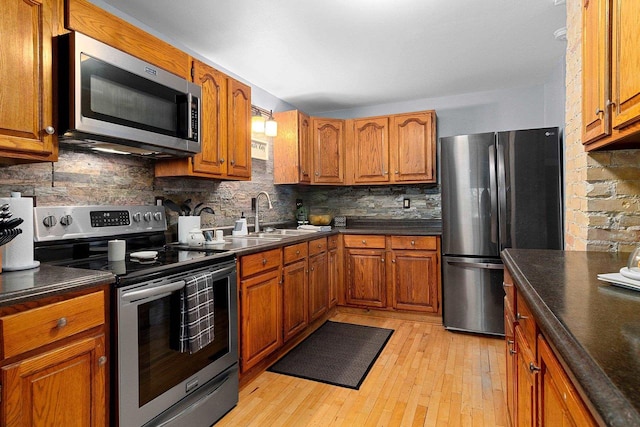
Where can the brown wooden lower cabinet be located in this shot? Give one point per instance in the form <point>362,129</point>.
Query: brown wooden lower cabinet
<point>260,306</point>
<point>318,279</point>
<point>57,377</point>
<point>539,391</point>
<point>295,292</point>
<point>393,272</point>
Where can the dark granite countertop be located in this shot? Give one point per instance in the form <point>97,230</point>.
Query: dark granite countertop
<point>19,286</point>
<point>592,325</point>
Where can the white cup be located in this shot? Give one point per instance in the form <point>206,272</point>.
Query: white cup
<point>219,235</point>
<point>116,250</point>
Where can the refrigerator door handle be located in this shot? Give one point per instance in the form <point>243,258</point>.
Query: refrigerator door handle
<point>485,265</point>
<point>493,193</point>
<point>503,214</point>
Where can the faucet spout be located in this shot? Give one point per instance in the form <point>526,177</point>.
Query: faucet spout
<point>257,221</point>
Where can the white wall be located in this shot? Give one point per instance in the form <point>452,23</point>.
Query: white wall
<point>518,108</point>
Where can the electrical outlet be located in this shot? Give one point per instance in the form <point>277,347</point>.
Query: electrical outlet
<point>253,203</point>
<point>406,203</point>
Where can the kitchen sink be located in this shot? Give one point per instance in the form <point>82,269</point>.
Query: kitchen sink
<point>279,233</point>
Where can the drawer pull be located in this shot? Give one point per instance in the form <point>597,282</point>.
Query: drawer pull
<point>62,322</point>
<point>533,368</point>
<point>506,285</point>
<point>364,242</point>
<point>102,360</point>
<point>264,261</point>
<point>521,317</point>
<point>297,252</point>
<point>413,243</point>
<point>512,351</point>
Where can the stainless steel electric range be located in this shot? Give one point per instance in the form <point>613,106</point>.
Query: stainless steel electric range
<point>154,382</point>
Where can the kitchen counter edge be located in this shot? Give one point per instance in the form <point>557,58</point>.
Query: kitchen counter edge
<point>601,394</point>
<point>17,287</point>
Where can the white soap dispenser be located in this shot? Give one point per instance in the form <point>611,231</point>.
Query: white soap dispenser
<point>240,229</point>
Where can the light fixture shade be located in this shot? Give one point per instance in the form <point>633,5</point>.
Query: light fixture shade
<point>257,123</point>
<point>271,126</point>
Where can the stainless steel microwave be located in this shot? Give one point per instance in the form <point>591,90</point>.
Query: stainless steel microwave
<point>112,101</point>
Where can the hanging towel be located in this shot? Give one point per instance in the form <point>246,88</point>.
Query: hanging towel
<point>196,313</point>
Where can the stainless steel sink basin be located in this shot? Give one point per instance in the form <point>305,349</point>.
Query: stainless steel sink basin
<point>280,233</point>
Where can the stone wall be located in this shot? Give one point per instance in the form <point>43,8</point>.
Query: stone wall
<point>602,188</point>
<point>381,202</point>
<point>83,178</point>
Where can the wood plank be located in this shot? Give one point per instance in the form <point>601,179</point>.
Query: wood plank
<point>425,376</point>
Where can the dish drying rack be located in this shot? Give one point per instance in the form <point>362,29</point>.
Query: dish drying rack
<point>8,225</point>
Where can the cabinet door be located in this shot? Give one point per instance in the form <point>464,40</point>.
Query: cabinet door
<point>65,386</point>
<point>511,373</point>
<point>625,61</point>
<point>365,277</point>
<point>239,129</point>
<point>318,286</point>
<point>415,280</point>
<point>304,146</point>
<point>559,400</point>
<point>526,380</point>
<point>212,158</point>
<point>413,145</point>
<point>328,151</point>
<point>295,298</point>
<point>595,66</point>
<point>333,273</point>
<point>370,151</point>
<point>261,317</point>
<point>26,104</point>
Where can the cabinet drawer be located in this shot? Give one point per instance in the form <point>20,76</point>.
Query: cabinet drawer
<point>364,241</point>
<point>317,246</point>
<point>509,290</point>
<point>295,252</point>
<point>428,243</point>
<point>332,242</point>
<point>257,263</point>
<point>40,326</point>
<point>525,319</point>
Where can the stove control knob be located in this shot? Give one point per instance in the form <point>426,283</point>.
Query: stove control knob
<point>157,216</point>
<point>66,220</point>
<point>147,217</point>
<point>49,221</point>
<point>137,217</point>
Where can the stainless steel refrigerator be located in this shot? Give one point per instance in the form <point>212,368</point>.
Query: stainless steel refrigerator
<point>499,190</point>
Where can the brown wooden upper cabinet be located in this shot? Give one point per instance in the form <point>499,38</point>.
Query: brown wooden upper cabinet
<point>327,151</point>
<point>225,132</point>
<point>393,149</point>
<point>610,74</point>
<point>291,148</point>
<point>27,132</point>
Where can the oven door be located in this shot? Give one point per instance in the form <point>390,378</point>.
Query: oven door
<point>152,374</point>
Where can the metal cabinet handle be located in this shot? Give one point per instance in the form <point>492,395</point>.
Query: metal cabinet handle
<point>393,261</point>
<point>364,242</point>
<point>413,243</point>
<point>521,317</point>
<point>533,368</point>
<point>222,160</point>
<point>610,103</point>
<point>297,252</point>
<point>312,268</point>
<point>506,285</point>
<point>62,322</point>
<point>102,360</point>
<point>50,130</point>
<point>264,261</point>
<point>397,172</point>
<point>232,162</point>
<point>317,173</point>
<point>381,259</point>
<point>512,351</point>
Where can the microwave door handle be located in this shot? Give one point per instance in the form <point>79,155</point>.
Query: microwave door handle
<point>131,296</point>
<point>189,116</point>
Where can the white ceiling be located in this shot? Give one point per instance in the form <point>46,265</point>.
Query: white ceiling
<point>326,55</point>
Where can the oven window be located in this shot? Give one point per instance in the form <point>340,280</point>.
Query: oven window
<point>117,96</point>
<point>160,366</point>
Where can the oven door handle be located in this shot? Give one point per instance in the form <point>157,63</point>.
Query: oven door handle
<point>152,292</point>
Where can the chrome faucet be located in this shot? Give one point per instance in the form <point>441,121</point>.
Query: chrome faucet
<point>257,222</point>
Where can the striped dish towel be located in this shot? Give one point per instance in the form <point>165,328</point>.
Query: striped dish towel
<point>196,313</point>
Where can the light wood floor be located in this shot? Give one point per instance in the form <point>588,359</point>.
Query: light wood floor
<point>426,376</point>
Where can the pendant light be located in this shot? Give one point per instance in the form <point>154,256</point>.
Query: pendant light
<point>271,126</point>
<point>257,122</point>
